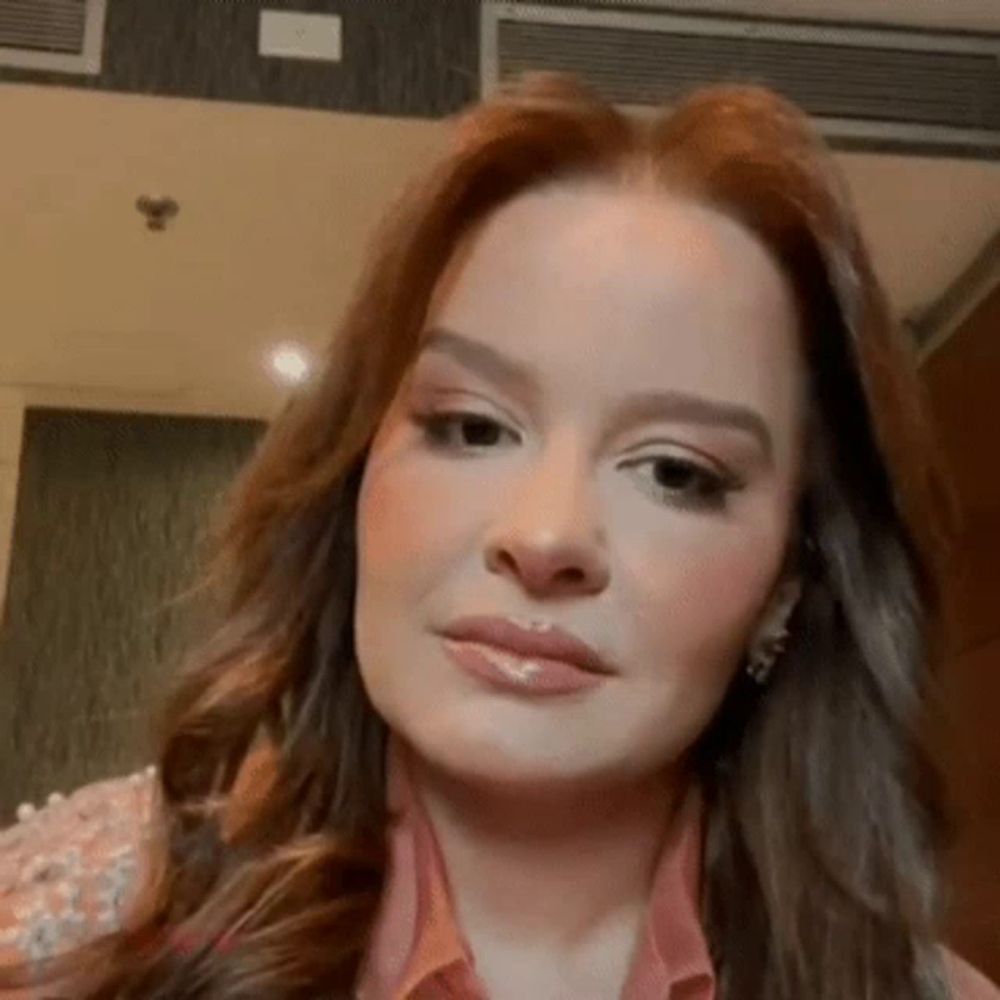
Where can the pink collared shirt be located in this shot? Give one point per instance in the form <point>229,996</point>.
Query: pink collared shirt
<point>70,871</point>
<point>418,951</point>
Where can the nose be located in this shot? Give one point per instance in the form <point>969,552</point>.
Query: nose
<point>548,535</point>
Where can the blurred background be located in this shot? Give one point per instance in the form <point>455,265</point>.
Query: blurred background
<point>186,192</point>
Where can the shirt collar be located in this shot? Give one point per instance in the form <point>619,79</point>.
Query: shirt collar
<point>416,934</point>
<point>417,940</point>
<point>673,959</point>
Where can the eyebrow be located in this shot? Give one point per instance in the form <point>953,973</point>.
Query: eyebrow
<point>641,407</point>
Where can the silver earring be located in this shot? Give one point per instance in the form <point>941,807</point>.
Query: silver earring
<point>771,641</point>
<point>764,654</point>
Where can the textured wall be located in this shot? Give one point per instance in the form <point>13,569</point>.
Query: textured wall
<point>109,509</point>
<point>400,57</point>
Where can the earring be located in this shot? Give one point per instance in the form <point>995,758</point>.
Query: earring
<point>764,654</point>
<point>771,642</point>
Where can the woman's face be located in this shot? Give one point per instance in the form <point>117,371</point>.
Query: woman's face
<point>627,470</point>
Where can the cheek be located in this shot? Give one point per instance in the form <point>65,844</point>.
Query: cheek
<point>691,608</point>
<point>400,513</point>
<point>696,605</point>
<point>396,535</point>
<point>415,523</point>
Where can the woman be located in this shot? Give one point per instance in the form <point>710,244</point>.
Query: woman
<point>574,622</point>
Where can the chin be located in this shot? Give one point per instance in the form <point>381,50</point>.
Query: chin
<point>494,750</point>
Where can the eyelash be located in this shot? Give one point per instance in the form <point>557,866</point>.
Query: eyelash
<point>711,493</point>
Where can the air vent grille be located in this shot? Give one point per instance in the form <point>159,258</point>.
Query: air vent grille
<point>62,35</point>
<point>892,86</point>
<point>43,25</point>
<point>636,67</point>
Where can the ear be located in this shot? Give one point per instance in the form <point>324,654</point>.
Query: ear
<point>784,597</point>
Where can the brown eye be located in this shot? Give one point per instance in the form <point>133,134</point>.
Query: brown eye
<point>678,476</point>
<point>680,482</point>
<point>457,430</point>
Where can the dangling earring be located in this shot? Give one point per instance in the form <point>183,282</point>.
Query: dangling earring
<point>771,641</point>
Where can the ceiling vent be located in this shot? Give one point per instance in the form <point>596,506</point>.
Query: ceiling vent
<point>889,88</point>
<point>63,36</point>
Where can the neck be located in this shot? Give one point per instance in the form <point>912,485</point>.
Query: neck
<point>558,866</point>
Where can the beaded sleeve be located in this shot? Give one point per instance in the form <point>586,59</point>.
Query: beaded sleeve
<point>69,869</point>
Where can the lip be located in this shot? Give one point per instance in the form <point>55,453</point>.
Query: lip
<point>554,643</point>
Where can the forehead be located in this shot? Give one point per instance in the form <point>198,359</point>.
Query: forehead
<point>610,288</point>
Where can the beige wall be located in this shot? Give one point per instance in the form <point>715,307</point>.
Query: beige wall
<point>11,428</point>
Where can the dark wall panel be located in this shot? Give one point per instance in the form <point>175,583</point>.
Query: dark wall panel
<point>400,57</point>
<point>109,511</point>
<point>962,378</point>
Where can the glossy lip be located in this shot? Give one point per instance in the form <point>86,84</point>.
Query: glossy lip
<point>554,643</point>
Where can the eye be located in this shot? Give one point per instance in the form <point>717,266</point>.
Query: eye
<point>675,481</point>
<point>474,430</point>
<point>682,482</point>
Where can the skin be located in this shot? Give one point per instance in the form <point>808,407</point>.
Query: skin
<point>554,509</point>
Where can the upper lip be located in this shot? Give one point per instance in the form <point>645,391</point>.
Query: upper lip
<point>555,643</point>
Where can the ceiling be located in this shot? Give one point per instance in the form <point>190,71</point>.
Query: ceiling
<point>276,205</point>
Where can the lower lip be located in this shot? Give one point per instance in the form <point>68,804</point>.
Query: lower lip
<point>524,676</point>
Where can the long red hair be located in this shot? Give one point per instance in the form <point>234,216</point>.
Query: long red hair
<point>824,818</point>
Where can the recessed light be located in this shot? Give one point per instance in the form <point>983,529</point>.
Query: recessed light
<point>290,363</point>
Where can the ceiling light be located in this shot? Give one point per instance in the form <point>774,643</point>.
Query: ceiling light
<point>290,363</point>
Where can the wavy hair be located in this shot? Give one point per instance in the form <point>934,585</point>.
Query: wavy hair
<point>825,818</point>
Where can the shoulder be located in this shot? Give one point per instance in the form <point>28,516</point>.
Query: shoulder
<point>967,982</point>
<point>68,870</point>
